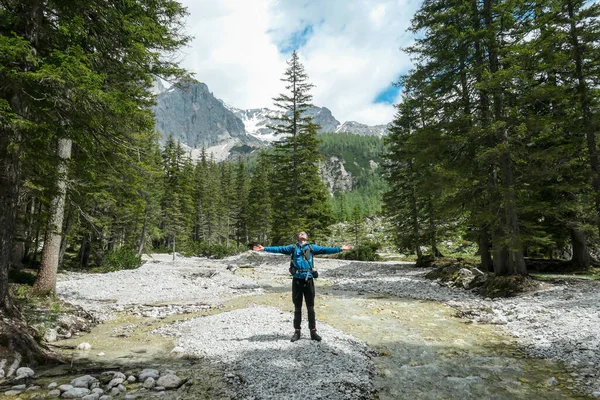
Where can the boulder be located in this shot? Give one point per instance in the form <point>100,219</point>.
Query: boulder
<point>54,393</point>
<point>83,381</point>
<point>169,381</point>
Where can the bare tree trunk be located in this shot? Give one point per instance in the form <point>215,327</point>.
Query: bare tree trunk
<point>173,247</point>
<point>485,250</point>
<point>30,218</point>
<point>10,175</point>
<point>38,226</point>
<point>65,239</point>
<point>581,254</point>
<point>46,279</point>
<point>143,236</point>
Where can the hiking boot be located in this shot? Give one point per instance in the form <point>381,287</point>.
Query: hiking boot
<point>315,336</point>
<point>295,336</point>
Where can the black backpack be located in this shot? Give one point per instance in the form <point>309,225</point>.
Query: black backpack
<point>306,255</point>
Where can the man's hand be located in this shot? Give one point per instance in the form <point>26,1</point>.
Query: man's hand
<point>258,247</point>
<point>347,247</point>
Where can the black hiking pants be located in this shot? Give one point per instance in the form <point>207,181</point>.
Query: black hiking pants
<point>303,288</point>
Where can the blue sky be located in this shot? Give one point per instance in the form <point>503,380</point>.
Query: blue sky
<point>350,49</point>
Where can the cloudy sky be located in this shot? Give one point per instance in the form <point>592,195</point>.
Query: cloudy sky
<point>350,49</point>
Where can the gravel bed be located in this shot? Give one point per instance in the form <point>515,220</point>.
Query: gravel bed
<point>561,322</point>
<point>195,283</point>
<point>261,362</point>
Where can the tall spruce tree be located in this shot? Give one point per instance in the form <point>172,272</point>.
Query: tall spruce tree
<point>300,198</point>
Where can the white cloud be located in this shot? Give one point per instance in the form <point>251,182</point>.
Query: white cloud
<point>351,54</point>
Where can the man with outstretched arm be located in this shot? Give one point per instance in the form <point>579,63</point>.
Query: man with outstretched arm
<point>302,273</point>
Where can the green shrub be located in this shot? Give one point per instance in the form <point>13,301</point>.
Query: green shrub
<point>363,252</point>
<point>122,258</point>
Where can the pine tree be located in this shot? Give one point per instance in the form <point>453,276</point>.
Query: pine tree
<point>241,216</point>
<point>259,202</point>
<point>300,198</point>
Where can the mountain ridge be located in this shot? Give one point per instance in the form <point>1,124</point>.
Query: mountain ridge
<point>193,115</point>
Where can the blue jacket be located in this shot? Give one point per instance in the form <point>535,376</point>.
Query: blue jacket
<point>304,266</point>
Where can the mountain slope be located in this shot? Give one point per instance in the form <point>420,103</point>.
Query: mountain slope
<point>195,117</point>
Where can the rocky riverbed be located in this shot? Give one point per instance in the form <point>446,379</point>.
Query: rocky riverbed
<point>222,327</point>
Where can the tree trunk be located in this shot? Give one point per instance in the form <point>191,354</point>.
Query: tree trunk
<point>65,239</point>
<point>143,235</point>
<point>581,254</point>
<point>485,250</point>
<point>30,218</point>
<point>586,112</point>
<point>10,175</point>
<point>173,247</point>
<point>38,225</point>
<point>46,279</point>
<point>509,233</point>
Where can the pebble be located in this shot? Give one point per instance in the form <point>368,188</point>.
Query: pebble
<point>131,379</point>
<point>552,381</point>
<point>13,392</point>
<point>149,383</point>
<point>91,396</point>
<point>54,393</point>
<point>19,387</point>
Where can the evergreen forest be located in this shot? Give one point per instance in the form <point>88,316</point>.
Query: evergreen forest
<point>496,135</point>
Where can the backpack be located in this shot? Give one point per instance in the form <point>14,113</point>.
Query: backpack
<point>305,256</point>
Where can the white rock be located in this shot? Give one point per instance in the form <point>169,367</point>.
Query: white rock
<point>75,393</point>
<point>84,346</point>
<point>178,350</point>
<point>24,372</point>
<point>52,385</point>
<point>91,396</point>
<point>54,393</point>
<point>131,379</point>
<point>51,335</point>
